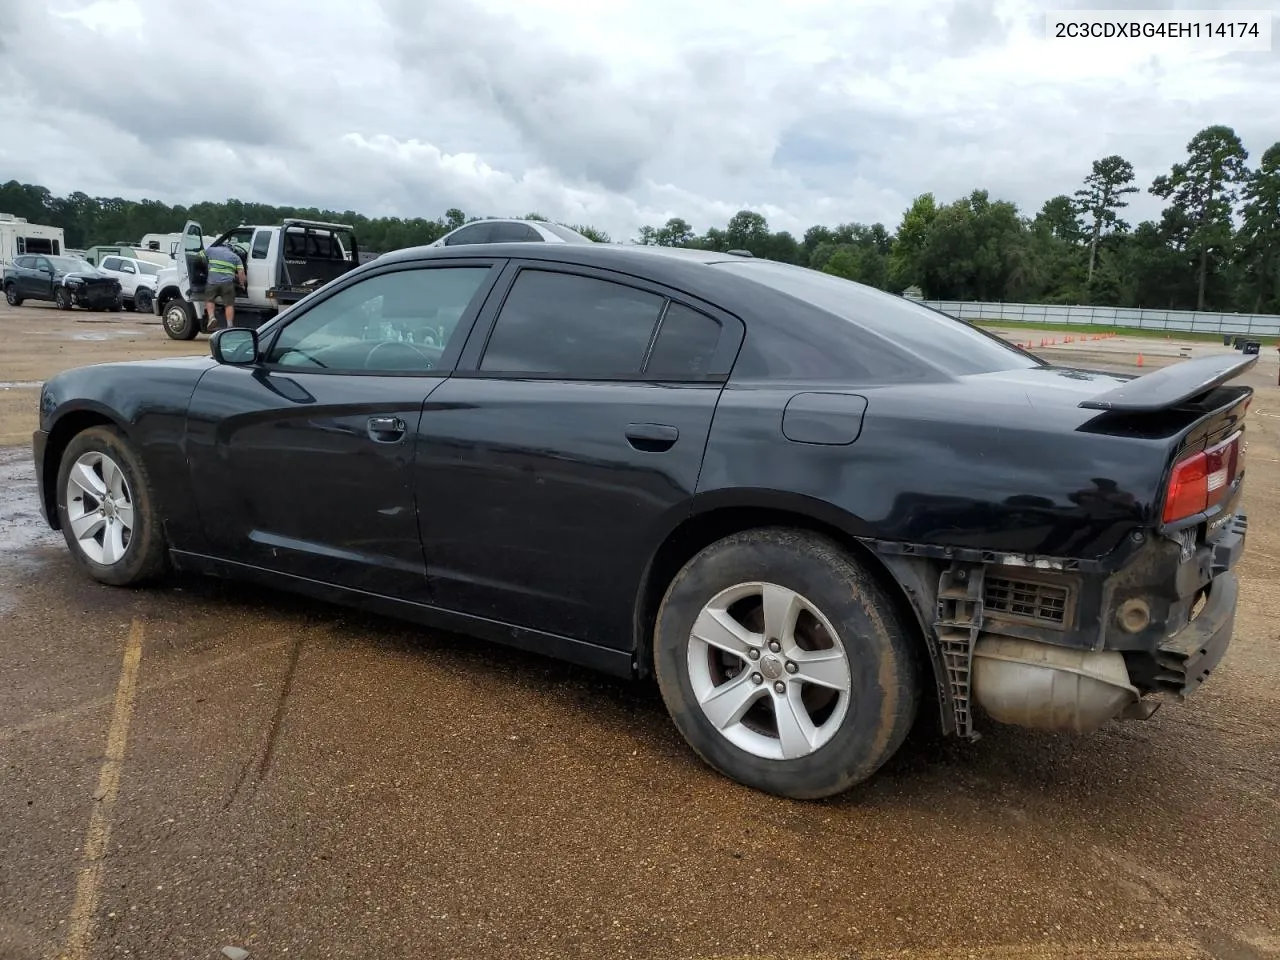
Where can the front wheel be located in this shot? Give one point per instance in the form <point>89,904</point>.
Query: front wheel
<point>62,298</point>
<point>107,509</point>
<point>142,300</point>
<point>784,664</point>
<point>180,320</point>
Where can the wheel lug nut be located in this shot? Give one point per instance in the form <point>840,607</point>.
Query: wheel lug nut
<point>775,646</point>
<point>753,654</point>
<point>791,667</point>
<point>756,678</point>
<point>780,687</point>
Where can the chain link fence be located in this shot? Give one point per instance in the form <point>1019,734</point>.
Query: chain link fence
<point>1194,321</point>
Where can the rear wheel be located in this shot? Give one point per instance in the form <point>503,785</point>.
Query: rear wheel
<point>11,295</point>
<point>180,320</point>
<point>107,510</point>
<point>784,663</point>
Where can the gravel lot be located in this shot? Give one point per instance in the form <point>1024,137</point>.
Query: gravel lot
<point>305,782</point>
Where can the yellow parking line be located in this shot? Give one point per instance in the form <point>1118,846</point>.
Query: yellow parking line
<point>46,720</point>
<point>99,832</point>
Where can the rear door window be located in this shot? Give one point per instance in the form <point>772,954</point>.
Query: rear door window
<point>686,343</point>
<point>572,326</point>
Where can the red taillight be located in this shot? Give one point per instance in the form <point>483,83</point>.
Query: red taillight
<point>1202,479</point>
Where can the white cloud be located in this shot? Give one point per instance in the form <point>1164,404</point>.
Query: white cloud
<point>612,114</point>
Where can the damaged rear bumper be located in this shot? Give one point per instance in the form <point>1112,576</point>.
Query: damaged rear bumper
<point>1034,684</point>
<point>1070,645</point>
<point>1163,624</point>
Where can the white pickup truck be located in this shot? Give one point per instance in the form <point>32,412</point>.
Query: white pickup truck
<point>137,280</point>
<point>283,264</point>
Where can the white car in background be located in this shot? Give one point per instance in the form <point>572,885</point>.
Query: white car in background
<point>137,280</point>
<point>498,230</point>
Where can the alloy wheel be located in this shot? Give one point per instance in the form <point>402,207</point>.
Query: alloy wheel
<point>769,671</point>
<point>100,508</point>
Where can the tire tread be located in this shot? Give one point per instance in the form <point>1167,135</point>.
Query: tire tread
<point>899,671</point>
<point>152,561</point>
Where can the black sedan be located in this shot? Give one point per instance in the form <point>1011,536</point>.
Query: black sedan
<point>804,506</point>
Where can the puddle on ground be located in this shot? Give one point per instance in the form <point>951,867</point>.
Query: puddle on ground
<point>108,334</point>
<point>21,527</point>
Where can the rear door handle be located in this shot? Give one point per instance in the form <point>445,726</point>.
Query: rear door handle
<point>652,437</point>
<point>386,429</point>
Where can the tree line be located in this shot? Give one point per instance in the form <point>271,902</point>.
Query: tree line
<point>1215,246</point>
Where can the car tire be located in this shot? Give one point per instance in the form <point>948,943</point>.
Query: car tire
<point>116,306</point>
<point>11,295</point>
<point>143,301</point>
<point>107,510</point>
<point>179,320</point>
<point>846,631</point>
<point>62,298</point>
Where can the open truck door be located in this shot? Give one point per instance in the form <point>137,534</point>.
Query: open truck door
<point>192,266</point>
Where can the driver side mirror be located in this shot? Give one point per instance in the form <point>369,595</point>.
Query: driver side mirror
<point>237,346</point>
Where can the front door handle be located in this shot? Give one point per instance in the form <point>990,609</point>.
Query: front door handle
<point>386,429</point>
<point>652,437</point>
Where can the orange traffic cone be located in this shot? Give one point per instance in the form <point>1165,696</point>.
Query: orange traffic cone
<point>1139,359</point>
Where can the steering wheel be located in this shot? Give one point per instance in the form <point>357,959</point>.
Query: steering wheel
<point>418,354</point>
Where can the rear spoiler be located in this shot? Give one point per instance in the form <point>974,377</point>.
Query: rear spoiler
<point>1162,389</point>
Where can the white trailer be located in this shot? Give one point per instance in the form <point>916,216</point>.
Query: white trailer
<point>18,236</point>
<point>165,243</point>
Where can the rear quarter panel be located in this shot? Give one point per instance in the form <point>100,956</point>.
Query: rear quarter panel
<point>937,464</point>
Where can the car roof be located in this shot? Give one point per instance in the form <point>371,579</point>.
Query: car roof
<point>615,255</point>
<point>802,321</point>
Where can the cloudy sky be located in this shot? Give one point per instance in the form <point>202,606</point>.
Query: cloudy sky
<point>609,112</point>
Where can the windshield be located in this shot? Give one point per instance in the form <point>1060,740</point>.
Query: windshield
<point>68,264</point>
<point>956,347</point>
<point>150,269</point>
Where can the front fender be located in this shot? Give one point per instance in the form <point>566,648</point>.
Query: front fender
<point>146,401</point>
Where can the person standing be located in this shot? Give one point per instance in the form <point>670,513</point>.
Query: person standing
<point>225,271</point>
